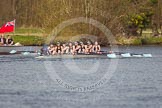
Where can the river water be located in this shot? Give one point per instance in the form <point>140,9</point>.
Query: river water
<point>27,82</point>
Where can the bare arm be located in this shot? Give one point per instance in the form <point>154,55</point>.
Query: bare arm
<point>99,48</point>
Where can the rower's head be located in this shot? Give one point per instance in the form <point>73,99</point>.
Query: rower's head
<point>58,44</point>
<point>63,44</point>
<point>2,35</point>
<point>76,43</point>
<point>81,43</point>
<point>51,45</point>
<point>89,43</point>
<point>8,36</point>
<point>96,43</point>
<point>70,44</point>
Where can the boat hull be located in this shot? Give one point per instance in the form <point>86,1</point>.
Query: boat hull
<point>110,56</point>
<point>71,56</point>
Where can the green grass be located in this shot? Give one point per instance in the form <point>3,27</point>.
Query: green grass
<point>148,40</point>
<point>35,40</point>
<point>29,40</point>
<point>128,41</point>
<point>151,40</point>
<point>34,36</point>
<point>28,30</point>
<point>137,41</point>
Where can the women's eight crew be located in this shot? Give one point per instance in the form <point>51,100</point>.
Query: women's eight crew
<point>71,48</point>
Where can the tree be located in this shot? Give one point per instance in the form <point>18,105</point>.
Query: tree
<point>47,14</point>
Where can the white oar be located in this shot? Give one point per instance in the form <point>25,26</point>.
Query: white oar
<point>137,55</point>
<point>112,56</point>
<point>126,55</point>
<point>25,53</point>
<point>147,55</point>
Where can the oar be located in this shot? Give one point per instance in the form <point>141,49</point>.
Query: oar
<point>25,53</point>
<point>127,54</point>
<point>112,56</point>
<point>12,51</point>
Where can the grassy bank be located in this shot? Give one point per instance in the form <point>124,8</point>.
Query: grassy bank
<point>35,40</point>
<point>29,40</point>
<point>139,40</point>
<point>35,36</point>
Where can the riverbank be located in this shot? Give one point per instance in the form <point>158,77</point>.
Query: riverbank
<point>38,41</point>
<point>139,41</point>
<point>37,37</point>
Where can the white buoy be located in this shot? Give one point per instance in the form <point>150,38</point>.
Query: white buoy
<point>112,56</point>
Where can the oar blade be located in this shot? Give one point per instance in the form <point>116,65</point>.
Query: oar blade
<point>147,55</point>
<point>137,55</point>
<point>25,53</point>
<point>126,55</point>
<point>111,56</point>
<point>12,51</point>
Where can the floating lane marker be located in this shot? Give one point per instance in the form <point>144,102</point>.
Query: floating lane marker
<point>126,55</point>
<point>147,55</point>
<point>112,56</point>
<point>12,51</point>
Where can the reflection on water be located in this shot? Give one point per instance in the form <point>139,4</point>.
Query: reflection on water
<point>136,83</point>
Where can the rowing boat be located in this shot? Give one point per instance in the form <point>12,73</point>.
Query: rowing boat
<point>71,56</point>
<point>8,49</point>
<point>110,56</point>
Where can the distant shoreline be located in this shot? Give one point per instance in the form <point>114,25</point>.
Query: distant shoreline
<point>134,41</point>
<point>37,37</point>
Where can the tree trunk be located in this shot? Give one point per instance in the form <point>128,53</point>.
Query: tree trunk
<point>155,31</point>
<point>141,30</point>
<point>161,29</point>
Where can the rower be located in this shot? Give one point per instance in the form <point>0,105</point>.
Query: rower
<point>82,47</point>
<point>50,49</point>
<point>58,48</point>
<point>54,50</point>
<point>9,40</point>
<point>70,48</point>
<point>76,48</point>
<point>96,47</point>
<point>44,50</point>
<point>88,47</point>
<point>64,49</point>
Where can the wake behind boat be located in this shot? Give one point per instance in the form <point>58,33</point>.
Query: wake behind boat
<point>17,49</point>
<point>7,46</point>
